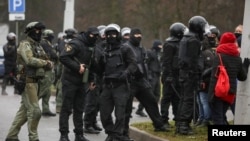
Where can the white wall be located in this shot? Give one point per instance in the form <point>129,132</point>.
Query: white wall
<point>4,30</point>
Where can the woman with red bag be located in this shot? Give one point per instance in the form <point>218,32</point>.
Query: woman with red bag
<point>230,55</point>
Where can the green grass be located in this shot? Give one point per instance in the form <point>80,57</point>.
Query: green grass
<point>200,133</point>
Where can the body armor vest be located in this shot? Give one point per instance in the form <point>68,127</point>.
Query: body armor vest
<point>114,63</point>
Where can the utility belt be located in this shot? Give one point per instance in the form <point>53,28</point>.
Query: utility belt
<point>113,82</point>
<point>31,80</point>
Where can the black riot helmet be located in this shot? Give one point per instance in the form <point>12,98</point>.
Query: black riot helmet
<point>198,24</point>
<point>70,33</point>
<point>214,30</point>
<point>177,30</point>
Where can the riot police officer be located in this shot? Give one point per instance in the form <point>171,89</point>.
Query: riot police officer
<point>140,86</point>
<point>46,82</point>
<point>70,33</point>
<point>92,106</point>
<point>31,65</point>
<point>171,87</point>
<point>117,63</point>
<point>76,58</point>
<point>10,53</point>
<point>189,54</point>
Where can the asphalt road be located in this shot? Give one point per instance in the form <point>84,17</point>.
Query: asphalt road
<point>48,126</point>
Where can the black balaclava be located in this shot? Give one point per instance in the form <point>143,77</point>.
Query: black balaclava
<point>36,32</point>
<point>50,38</point>
<point>156,45</point>
<point>12,42</point>
<point>212,41</point>
<point>112,40</point>
<point>92,40</point>
<point>135,40</point>
<point>35,35</point>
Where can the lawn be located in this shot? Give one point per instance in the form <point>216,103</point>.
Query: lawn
<point>200,132</point>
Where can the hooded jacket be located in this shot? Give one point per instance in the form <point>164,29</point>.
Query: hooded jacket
<point>232,61</point>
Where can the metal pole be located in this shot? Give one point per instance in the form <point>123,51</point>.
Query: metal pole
<point>242,107</point>
<point>69,14</point>
<point>17,32</point>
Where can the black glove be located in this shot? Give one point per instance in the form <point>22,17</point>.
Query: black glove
<point>246,64</point>
<point>124,75</point>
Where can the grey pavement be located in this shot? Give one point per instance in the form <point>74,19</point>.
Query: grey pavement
<point>48,126</point>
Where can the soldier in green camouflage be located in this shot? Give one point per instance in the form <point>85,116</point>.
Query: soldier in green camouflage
<point>31,65</point>
<point>46,82</point>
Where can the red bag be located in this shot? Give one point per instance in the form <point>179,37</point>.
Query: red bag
<point>222,86</point>
<point>229,98</point>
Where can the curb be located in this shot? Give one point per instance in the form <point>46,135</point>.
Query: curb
<point>140,135</point>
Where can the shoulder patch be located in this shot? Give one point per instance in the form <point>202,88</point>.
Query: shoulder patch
<point>68,48</point>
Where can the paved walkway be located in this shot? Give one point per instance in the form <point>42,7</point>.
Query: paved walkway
<point>48,126</point>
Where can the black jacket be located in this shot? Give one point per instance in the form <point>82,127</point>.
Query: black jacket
<point>234,69</point>
<point>76,52</point>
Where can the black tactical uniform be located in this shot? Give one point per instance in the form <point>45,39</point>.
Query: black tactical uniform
<point>154,67</point>
<point>189,54</point>
<point>10,55</point>
<point>77,52</point>
<point>117,63</point>
<point>92,106</point>
<point>154,73</point>
<point>170,81</point>
<point>140,86</point>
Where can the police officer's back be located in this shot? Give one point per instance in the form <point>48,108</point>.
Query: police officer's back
<point>189,54</point>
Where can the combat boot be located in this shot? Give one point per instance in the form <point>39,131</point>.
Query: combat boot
<point>90,130</point>
<point>97,127</point>
<point>140,113</point>
<point>184,128</point>
<point>64,138</point>
<point>80,138</point>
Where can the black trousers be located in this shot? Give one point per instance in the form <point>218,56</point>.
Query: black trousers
<point>189,85</point>
<point>91,108</point>
<point>114,98</point>
<point>156,89</point>
<point>170,96</point>
<point>73,101</point>
<point>142,90</point>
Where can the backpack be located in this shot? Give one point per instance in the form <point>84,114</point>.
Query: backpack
<point>222,85</point>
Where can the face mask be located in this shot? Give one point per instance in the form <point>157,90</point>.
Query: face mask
<point>12,42</point>
<point>211,41</point>
<point>91,40</point>
<point>35,35</point>
<point>112,38</point>
<point>135,40</point>
<point>237,34</point>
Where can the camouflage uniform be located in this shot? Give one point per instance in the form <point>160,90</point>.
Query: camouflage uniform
<point>30,67</point>
<point>46,83</point>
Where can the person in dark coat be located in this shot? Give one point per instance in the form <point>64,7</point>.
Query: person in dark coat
<point>236,70</point>
<point>76,57</point>
<point>170,72</point>
<point>10,53</point>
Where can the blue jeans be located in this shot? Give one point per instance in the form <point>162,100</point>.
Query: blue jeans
<point>204,108</point>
